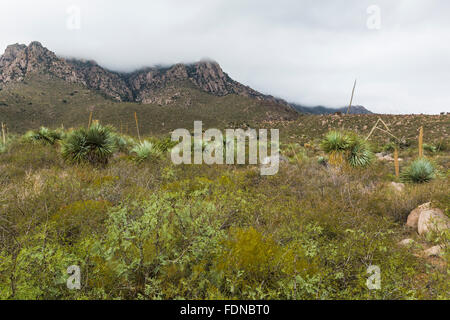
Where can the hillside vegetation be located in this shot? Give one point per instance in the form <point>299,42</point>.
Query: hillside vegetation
<point>42,100</point>
<point>142,228</point>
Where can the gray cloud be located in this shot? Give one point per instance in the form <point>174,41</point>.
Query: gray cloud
<point>305,51</point>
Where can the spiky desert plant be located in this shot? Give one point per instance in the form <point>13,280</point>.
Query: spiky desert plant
<point>146,150</point>
<point>123,143</point>
<point>420,171</point>
<point>335,144</point>
<point>359,154</point>
<point>43,135</point>
<point>94,145</point>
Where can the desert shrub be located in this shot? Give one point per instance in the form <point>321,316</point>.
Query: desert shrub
<point>420,171</point>
<point>429,148</point>
<point>3,147</point>
<point>165,144</point>
<point>123,143</point>
<point>94,145</point>
<point>253,263</point>
<point>80,217</point>
<point>43,135</point>
<point>162,240</point>
<point>389,147</point>
<point>146,151</point>
<point>322,161</point>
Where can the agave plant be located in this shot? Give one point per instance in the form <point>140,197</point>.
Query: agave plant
<point>43,135</point>
<point>146,151</point>
<point>420,171</point>
<point>94,145</point>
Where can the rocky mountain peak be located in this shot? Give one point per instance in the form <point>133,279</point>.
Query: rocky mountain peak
<point>19,60</point>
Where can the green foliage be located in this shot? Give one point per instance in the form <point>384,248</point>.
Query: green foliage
<point>347,146</point>
<point>165,144</point>
<point>335,141</point>
<point>430,148</point>
<point>420,171</point>
<point>94,145</point>
<point>146,150</point>
<point>43,135</point>
<point>123,143</point>
<point>160,231</point>
<point>359,153</point>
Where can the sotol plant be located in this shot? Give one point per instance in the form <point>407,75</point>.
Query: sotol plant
<point>420,171</point>
<point>146,151</point>
<point>94,145</point>
<point>347,147</point>
<point>43,135</point>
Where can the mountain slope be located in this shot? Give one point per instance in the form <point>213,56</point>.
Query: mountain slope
<point>45,100</point>
<point>38,88</point>
<point>326,110</point>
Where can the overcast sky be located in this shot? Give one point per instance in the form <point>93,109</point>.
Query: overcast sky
<point>305,51</point>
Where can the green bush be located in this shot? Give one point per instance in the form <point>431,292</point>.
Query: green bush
<point>94,145</point>
<point>420,171</point>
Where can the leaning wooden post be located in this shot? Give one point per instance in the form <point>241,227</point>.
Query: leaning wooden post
<point>397,167</point>
<point>137,126</point>
<point>421,142</point>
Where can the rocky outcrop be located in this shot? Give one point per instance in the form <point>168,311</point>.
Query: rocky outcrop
<point>143,86</point>
<point>205,75</point>
<point>20,60</point>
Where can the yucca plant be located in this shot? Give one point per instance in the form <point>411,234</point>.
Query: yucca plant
<point>146,151</point>
<point>359,154</point>
<point>43,135</point>
<point>347,147</point>
<point>420,171</point>
<point>335,141</point>
<point>94,145</point>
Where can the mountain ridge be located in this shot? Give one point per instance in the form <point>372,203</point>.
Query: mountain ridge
<point>20,60</point>
<point>355,109</point>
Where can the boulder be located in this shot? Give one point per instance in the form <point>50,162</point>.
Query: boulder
<point>406,242</point>
<point>398,186</point>
<point>432,220</point>
<point>413,218</point>
<point>435,251</point>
